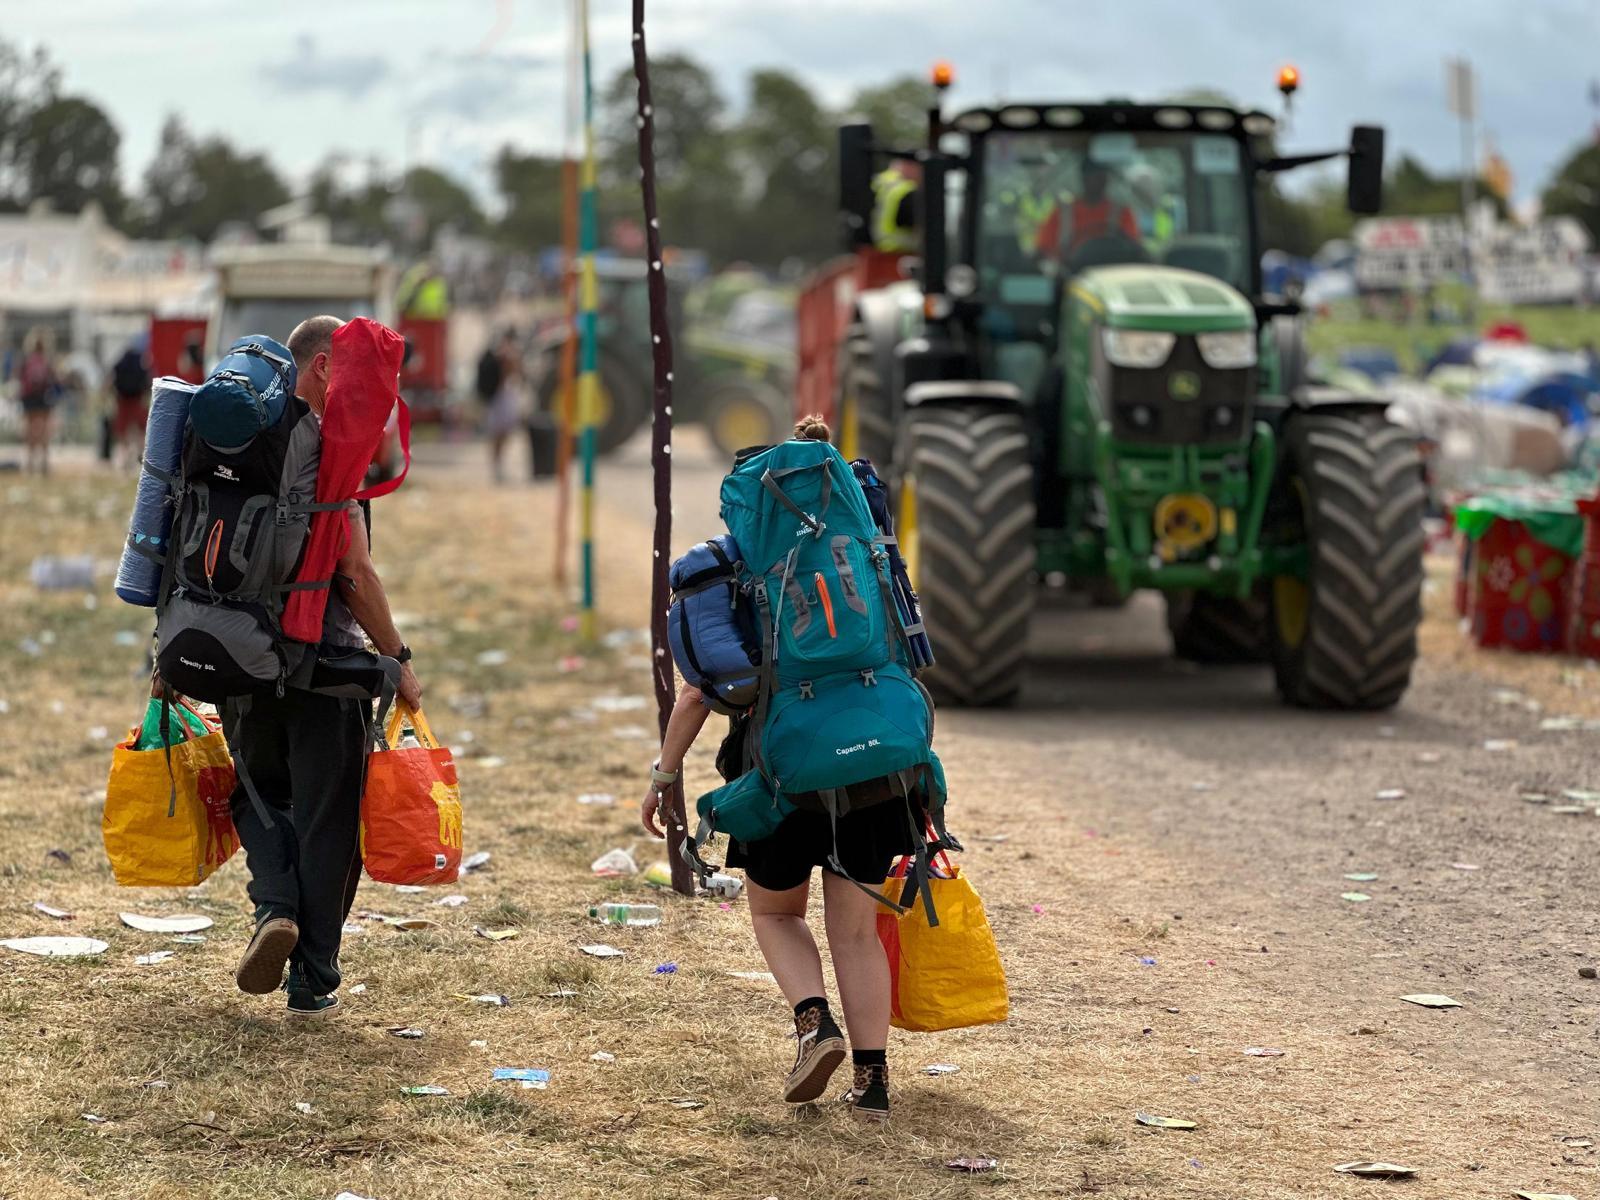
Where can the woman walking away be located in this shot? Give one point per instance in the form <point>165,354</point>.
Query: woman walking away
<point>779,870</point>
<point>36,387</point>
<point>506,402</point>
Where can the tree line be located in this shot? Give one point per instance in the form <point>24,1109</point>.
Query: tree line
<point>753,181</point>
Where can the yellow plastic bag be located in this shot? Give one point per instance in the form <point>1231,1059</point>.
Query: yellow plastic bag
<point>946,976</point>
<point>169,829</point>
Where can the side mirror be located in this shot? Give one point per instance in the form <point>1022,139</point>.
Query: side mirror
<point>1365,194</point>
<point>855,183</point>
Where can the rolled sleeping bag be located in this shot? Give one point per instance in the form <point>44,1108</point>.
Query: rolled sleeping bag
<point>245,392</point>
<point>139,572</point>
<point>712,627</point>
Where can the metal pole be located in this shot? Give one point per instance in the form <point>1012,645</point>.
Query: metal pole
<point>566,383</point>
<point>588,303</point>
<point>660,445</point>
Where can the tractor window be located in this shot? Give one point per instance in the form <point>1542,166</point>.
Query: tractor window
<point>1056,203</point>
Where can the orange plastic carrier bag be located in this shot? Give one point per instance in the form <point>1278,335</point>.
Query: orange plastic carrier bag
<point>945,976</point>
<point>170,826</point>
<point>411,807</point>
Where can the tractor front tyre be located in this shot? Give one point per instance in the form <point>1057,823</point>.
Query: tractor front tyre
<point>1345,635</point>
<point>966,527</point>
<point>744,414</point>
<point>1218,629</point>
<point>864,412</point>
<point>622,403</point>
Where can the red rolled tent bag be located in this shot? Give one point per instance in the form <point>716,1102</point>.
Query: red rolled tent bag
<point>363,389</point>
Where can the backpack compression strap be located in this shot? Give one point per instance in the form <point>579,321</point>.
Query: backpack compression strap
<point>769,480</point>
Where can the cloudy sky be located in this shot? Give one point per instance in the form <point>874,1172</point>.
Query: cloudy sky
<point>454,79</point>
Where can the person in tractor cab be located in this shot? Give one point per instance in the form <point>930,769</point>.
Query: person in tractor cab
<point>894,213</point>
<point>1091,216</point>
<point>1157,210</point>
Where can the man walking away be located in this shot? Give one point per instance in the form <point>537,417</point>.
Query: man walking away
<point>130,385</point>
<point>305,754</point>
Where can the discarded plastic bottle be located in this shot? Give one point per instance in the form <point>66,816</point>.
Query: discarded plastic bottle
<point>626,914</point>
<point>729,887</point>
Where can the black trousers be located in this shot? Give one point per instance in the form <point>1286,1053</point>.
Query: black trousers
<point>306,755</point>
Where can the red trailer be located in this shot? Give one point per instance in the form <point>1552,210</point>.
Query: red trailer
<point>824,314</point>
<point>168,338</point>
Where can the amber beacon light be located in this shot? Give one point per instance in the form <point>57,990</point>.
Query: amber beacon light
<point>943,74</point>
<point>1288,80</point>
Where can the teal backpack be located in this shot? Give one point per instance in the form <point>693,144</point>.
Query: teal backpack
<point>837,705</point>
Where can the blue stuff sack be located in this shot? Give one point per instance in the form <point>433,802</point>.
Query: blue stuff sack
<point>245,393</point>
<point>712,627</point>
<point>139,572</point>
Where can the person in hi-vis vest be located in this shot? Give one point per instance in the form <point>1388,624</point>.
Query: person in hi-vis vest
<point>894,215</point>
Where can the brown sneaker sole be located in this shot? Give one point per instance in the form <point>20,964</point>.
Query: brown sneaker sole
<point>810,1076</point>
<point>261,969</point>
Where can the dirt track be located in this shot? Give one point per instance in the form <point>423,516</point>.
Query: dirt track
<point>1151,929</point>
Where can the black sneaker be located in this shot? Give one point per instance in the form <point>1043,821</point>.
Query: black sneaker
<point>303,1001</point>
<point>820,1053</point>
<point>309,1004</point>
<point>869,1098</point>
<point>260,970</point>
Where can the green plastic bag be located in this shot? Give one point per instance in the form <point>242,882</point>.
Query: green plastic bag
<point>181,726</point>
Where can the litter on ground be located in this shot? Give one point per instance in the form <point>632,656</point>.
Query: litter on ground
<point>1263,1052</point>
<point>1431,1000</point>
<point>56,947</point>
<point>972,1165</point>
<point>495,935</point>
<point>150,960</point>
<point>1375,1170</point>
<point>406,1031</point>
<point>941,1069</point>
<point>187,923</point>
<point>1355,897</point>
<point>601,950</point>
<point>1155,1122</point>
<point>613,864</point>
<point>493,999</point>
<point>58,914</point>
<point>424,1089</point>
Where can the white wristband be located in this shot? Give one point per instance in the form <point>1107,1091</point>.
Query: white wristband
<point>657,775</point>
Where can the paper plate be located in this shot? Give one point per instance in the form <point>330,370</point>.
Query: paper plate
<point>56,947</point>
<point>186,923</point>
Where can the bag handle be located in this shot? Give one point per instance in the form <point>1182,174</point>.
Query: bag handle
<point>389,485</point>
<point>403,714</point>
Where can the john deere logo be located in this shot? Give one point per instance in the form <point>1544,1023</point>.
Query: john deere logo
<point>1183,385</point>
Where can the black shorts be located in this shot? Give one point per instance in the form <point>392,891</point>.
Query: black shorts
<point>870,839</point>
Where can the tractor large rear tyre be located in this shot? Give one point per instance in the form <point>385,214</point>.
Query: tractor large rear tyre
<point>1218,629</point>
<point>966,525</point>
<point>865,411</point>
<point>1345,637</point>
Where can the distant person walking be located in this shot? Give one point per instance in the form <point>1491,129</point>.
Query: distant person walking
<point>37,385</point>
<point>130,387</point>
<point>306,755</point>
<point>501,387</point>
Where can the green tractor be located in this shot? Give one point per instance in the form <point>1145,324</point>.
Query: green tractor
<point>1085,388</point>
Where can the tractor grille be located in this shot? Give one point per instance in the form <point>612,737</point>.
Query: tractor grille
<point>1184,402</point>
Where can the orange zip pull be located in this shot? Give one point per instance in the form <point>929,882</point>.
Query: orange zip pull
<point>213,548</point>
<point>827,603</point>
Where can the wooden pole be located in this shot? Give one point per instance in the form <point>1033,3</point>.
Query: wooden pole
<point>660,446</point>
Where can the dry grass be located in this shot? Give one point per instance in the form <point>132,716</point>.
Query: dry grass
<point>1051,1094</point>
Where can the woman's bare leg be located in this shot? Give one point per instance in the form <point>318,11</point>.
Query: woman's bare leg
<point>859,962</point>
<point>786,941</point>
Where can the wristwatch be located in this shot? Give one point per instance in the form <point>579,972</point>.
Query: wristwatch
<point>405,654</point>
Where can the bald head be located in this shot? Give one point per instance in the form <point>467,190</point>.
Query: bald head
<point>311,345</point>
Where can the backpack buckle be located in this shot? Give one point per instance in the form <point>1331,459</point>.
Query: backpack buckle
<point>807,691</point>
<point>869,679</point>
<point>283,513</point>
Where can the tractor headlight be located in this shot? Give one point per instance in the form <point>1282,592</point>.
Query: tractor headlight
<point>1137,347</point>
<point>1228,351</point>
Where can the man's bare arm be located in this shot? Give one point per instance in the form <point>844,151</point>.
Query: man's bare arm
<point>358,582</point>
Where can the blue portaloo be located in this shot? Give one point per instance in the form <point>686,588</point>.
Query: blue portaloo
<point>139,572</point>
